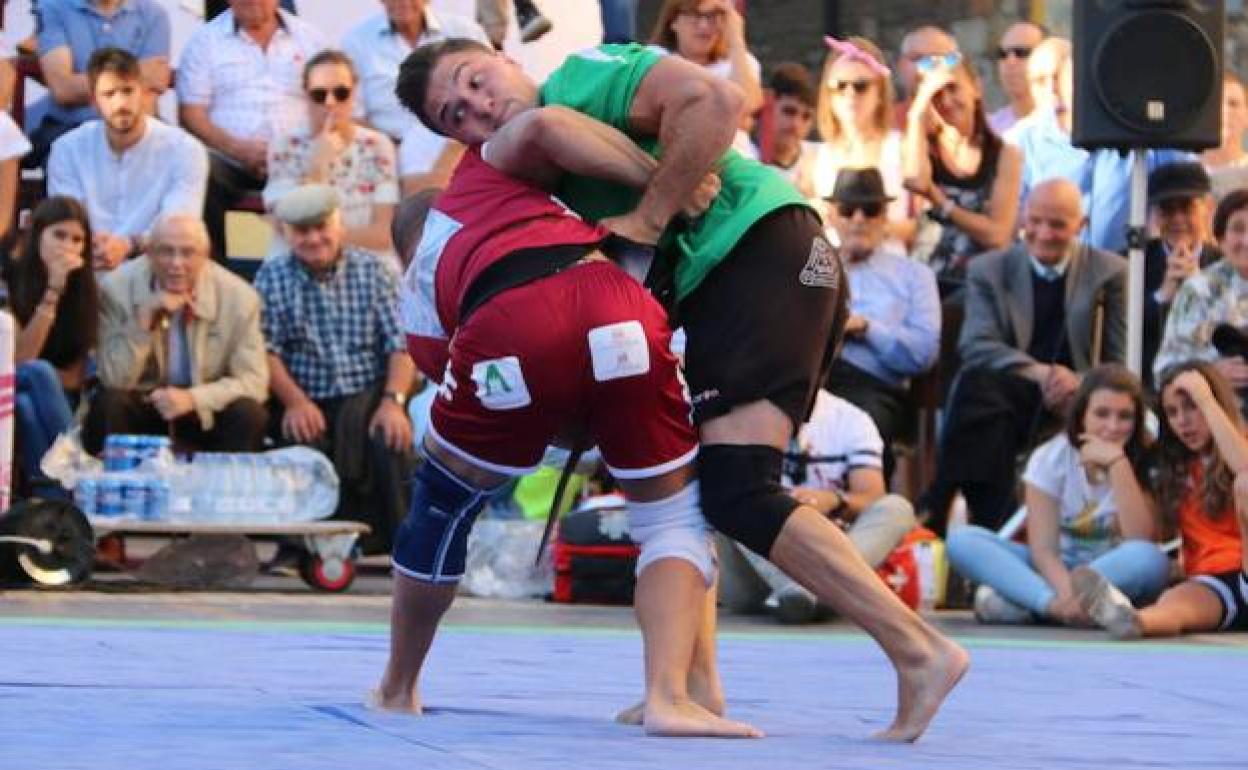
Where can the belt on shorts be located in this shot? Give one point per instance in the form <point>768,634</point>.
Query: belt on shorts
<point>518,268</point>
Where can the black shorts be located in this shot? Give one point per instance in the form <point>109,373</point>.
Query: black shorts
<point>1232,591</point>
<point>767,321</point>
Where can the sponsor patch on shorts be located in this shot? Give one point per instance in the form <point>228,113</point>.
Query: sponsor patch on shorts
<point>500,384</point>
<point>619,350</point>
<point>823,267</point>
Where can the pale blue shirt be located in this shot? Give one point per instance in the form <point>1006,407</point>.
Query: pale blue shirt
<point>138,26</point>
<point>899,299</point>
<point>1103,176</point>
<point>166,172</point>
<point>377,51</point>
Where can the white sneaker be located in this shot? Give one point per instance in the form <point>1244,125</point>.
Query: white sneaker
<point>991,608</point>
<point>1105,604</point>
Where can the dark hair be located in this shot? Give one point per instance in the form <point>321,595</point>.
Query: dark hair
<point>1234,202</point>
<point>664,35</point>
<point>76,328</point>
<point>1174,458</point>
<point>412,85</point>
<point>409,222</point>
<point>329,56</point>
<point>117,61</point>
<point>1117,379</point>
<point>793,79</point>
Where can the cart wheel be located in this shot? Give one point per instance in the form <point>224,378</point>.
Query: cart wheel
<point>66,531</point>
<point>331,575</point>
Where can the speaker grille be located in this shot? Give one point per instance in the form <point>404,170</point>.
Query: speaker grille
<point>1153,71</point>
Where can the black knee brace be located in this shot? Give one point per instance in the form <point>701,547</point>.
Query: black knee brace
<point>741,493</point>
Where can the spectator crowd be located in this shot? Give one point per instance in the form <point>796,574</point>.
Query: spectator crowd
<point>985,254</point>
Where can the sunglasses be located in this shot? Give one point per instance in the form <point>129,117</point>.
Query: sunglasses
<point>321,95</point>
<point>791,111</point>
<point>1017,51</point>
<point>869,210</point>
<point>926,64</point>
<point>859,86</point>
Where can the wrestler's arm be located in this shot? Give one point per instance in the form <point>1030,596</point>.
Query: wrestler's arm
<point>695,115</point>
<point>543,143</point>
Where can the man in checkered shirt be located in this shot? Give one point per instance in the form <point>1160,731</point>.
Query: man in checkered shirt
<point>338,362</point>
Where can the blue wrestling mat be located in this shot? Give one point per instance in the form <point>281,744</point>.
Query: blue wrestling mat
<point>103,695</point>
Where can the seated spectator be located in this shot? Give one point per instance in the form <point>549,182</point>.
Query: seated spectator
<point>835,468</point>
<point>358,162</point>
<point>239,88</point>
<point>852,114</point>
<point>378,45</point>
<point>1088,504</point>
<point>214,8</point>
<point>1017,43</point>
<point>711,34</point>
<point>1103,176</point>
<point>1227,163</point>
<point>54,299</point>
<point>69,32</point>
<point>1211,299</point>
<point>968,177</point>
<point>893,332</point>
<point>127,168</point>
<point>1180,195</point>
<point>340,369</point>
<point>793,113</point>
<point>1038,315</point>
<point>181,353</point>
<point>13,146</point>
<point>1203,483</point>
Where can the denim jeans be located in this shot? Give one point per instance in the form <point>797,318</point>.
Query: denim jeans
<point>1137,567</point>
<point>42,409</point>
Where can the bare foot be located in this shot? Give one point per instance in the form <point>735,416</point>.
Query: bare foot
<point>921,689</point>
<point>403,703</point>
<point>705,692</point>
<point>688,719</point>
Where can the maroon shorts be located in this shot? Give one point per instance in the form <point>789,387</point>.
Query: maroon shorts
<point>585,350</point>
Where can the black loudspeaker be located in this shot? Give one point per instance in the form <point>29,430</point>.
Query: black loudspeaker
<point>1148,73</point>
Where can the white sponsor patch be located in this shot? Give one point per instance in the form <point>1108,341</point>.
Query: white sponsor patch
<point>500,384</point>
<point>822,267</point>
<point>619,350</point>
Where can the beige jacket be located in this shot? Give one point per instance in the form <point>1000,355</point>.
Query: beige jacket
<point>228,358</point>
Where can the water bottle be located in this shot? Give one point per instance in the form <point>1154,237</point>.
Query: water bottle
<point>87,495</point>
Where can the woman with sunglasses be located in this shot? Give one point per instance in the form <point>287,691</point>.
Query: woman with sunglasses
<point>853,117</point>
<point>969,178</point>
<point>357,161</point>
<point>711,33</point>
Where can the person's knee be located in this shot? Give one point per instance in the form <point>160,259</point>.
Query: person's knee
<point>1146,555</point>
<point>248,421</point>
<point>36,374</point>
<point>892,511</point>
<point>962,542</point>
<point>673,528</point>
<point>431,545</point>
<point>741,493</point>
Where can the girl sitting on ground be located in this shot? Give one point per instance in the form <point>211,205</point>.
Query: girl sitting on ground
<point>1203,486</point>
<point>1088,506</point>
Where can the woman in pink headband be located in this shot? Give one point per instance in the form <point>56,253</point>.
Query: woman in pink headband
<point>853,115</point>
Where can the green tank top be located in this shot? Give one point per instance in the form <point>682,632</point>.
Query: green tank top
<point>601,82</point>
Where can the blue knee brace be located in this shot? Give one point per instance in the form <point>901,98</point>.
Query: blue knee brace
<point>432,543</point>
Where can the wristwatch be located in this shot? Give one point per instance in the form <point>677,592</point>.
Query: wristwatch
<point>396,396</point>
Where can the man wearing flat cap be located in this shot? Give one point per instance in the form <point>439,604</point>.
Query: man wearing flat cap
<point>1181,197</point>
<point>340,373</point>
<point>893,332</point>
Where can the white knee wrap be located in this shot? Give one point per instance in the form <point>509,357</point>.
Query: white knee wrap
<point>673,528</point>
